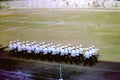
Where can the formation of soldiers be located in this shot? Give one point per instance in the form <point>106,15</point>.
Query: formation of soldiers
<point>52,52</point>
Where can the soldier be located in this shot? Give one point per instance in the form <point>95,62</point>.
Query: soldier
<point>33,45</point>
<point>49,52</point>
<point>37,52</point>
<point>94,55</point>
<point>87,58</point>
<point>81,57</point>
<point>27,44</point>
<point>57,53</point>
<point>45,51</point>
<point>41,51</point>
<point>15,48</point>
<point>19,53</point>
<point>73,56</point>
<point>17,43</point>
<point>54,53</point>
<point>62,54</point>
<point>66,54</point>
<point>11,48</point>
<point>69,52</point>
<point>29,51</point>
<point>77,55</point>
<point>23,49</point>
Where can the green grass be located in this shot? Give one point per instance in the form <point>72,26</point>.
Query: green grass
<point>59,26</point>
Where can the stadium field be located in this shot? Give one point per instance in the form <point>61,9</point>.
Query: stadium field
<point>98,28</point>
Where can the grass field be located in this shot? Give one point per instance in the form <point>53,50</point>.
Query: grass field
<point>101,29</point>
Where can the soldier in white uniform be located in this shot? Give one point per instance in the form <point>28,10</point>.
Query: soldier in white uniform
<point>15,48</point>
<point>41,51</point>
<point>11,48</point>
<point>54,53</point>
<point>33,49</point>
<point>73,56</point>
<point>94,55</point>
<point>23,49</point>
<point>57,53</point>
<point>45,51</point>
<point>87,58</point>
<point>19,50</point>
<point>29,51</point>
<point>62,55</point>
<point>17,43</point>
<point>37,52</point>
<point>77,55</point>
<point>66,54</point>
<point>81,57</point>
<point>69,52</point>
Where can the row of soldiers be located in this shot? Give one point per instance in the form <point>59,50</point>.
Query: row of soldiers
<point>51,52</point>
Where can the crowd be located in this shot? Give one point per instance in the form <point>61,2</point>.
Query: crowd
<point>51,52</point>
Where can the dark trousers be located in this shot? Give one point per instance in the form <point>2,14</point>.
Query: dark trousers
<point>19,54</point>
<point>72,60</point>
<point>10,53</point>
<point>41,55</point>
<point>81,57</point>
<point>61,58</point>
<point>66,58</point>
<point>87,61</point>
<point>23,53</point>
<point>15,52</point>
<point>95,58</point>
<point>29,55</point>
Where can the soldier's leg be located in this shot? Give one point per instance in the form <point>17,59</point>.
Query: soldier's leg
<point>90,61</point>
<point>85,62</point>
<point>95,58</point>
<point>10,53</point>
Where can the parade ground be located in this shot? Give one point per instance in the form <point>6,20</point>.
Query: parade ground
<point>60,26</point>
<point>98,27</point>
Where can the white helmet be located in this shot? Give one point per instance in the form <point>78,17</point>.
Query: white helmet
<point>10,42</point>
<point>81,45</point>
<point>92,46</point>
<point>18,40</point>
<point>27,41</point>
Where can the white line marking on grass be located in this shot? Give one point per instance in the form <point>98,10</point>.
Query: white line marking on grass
<point>11,29</point>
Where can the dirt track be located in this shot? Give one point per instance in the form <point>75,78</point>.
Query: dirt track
<point>26,69</point>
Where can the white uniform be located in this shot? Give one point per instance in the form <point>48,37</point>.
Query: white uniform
<point>19,48</point>
<point>65,51</point>
<point>54,51</point>
<point>77,52</point>
<point>11,47</point>
<point>73,53</point>
<point>88,58</point>
<point>37,50</point>
<point>17,43</point>
<point>33,48</point>
<point>87,54</point>
<point>62,52</point>
<point>45,51</point>
<point>23,47</point>
<point>81,50</point>
<point>29,49</point>
<point>41,49</point>
<point>14,45</point>
<point>94,51</point>
<point>57,50</point>
<point>69,49</point>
